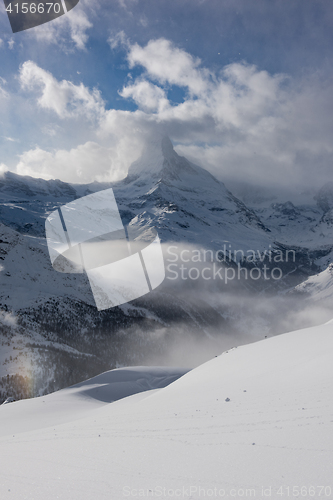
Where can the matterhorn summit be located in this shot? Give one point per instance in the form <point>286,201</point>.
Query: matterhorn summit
<point>160,161</point>
<point>185,202</point>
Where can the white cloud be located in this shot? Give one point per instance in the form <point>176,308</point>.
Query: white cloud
<point>64,98</point>
<point>120,138</point>
<point>83,164</point>
<point>10,139</point>
<point>78,24</point>
<point>69,31</point>
<point>11,44</point>
<point>168,64</point>
<point>50,129</point>
<point>119,39</point>
<point>239,122</point>
<point>257,126</point>
<point>147,96</point>
<point>3,93</point>
<point>3,169</point>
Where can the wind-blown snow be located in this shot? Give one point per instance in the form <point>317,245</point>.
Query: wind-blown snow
<point>259,416</point>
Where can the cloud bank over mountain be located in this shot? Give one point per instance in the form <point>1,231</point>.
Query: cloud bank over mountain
<point>248,97</point>
<point>238,121</point>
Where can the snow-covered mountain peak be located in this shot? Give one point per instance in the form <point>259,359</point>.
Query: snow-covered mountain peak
<point>151,160</point>
<point>160,162</point>
<point>167,147</point>
<point>185,202</point>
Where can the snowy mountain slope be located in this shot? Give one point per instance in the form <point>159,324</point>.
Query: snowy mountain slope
<point>306,227</point>
<point>27,277</point>
<point>26,200</point>
<point>305,223</point>
<point>30,352</point>
<point>77,401</point>
<point>318,287</point>
<point>257,419</point>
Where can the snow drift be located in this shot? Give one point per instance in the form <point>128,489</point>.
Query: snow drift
<point>253,422</point>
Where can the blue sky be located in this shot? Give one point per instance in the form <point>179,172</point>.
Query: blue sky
<point>243,87</point>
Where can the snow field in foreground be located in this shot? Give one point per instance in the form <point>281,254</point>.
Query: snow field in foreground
<point>255,422</point>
